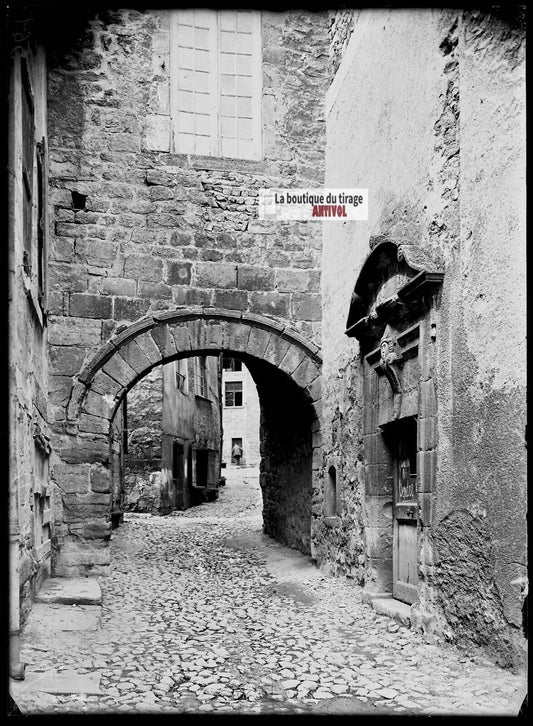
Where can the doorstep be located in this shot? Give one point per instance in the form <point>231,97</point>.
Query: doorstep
<point>384,604</point>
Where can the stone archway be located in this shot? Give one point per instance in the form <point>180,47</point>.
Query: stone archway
<point>81,470</point>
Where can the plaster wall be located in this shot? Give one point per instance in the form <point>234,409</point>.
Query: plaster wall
<point>427,111</point>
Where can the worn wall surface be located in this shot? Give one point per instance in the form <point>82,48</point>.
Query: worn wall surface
<point>30,492</point>
<point>142,462</point>
<point>427,112</point>
<point>137,229</point>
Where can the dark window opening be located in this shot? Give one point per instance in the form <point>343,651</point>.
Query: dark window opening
<point>231,364</point>
<point>202,465</point>
<point>28,141</point>
<point>233,393</point>
<point>331,492</point>
<point>78,200</point>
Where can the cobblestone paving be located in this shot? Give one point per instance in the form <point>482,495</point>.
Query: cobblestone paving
<point>203,613</point>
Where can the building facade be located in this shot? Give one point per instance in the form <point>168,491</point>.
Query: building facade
<point>240,414</point>
<point>423,319</point>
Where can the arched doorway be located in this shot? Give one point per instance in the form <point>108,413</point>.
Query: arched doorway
<point>286,369</point>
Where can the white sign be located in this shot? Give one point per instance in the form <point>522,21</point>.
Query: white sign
<point>313,204</point>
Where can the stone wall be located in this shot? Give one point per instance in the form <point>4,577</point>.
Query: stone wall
<point>142,462</point>
<point>427,112</point>
<point>137,229</point>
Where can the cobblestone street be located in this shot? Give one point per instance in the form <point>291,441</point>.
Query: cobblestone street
<point>203,613</point>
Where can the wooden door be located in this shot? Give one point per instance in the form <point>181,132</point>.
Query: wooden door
<point>405,517</point>
<point>177,474</point>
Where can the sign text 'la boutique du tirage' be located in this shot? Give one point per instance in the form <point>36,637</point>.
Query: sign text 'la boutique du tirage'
<point>311,204</point>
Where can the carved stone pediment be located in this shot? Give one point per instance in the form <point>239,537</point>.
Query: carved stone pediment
<point>395,279</point>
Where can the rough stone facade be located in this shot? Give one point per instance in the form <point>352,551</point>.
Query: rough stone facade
<point>427,111</point>
<point>138,230</point>
<point>142,461</point>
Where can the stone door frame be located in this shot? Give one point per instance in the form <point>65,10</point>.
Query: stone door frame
<point>81,456</point>
<point>392,314</point>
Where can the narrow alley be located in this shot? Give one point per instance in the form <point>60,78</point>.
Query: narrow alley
<point>204,613</point>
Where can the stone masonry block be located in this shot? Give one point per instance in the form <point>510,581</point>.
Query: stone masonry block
<point>232,299</point>
<point>428,399</point>
<point>119,286</point>
<point>427,435</point>
<point>119,370</point>
<point>135,357</point>
<point>105,385</point>
<point>270,303</point>
<point>182,339</point>
<point>425,502</point>
<point>125,308</point>
<point>214,274</point>
<point>65,360</point>
<point>236,336</point>
<point>255,278</point>
<point>306,372</point>
<point>307,306</point>
<point>83,507</point>
<point>277,350</point>
<point>71,478</point>
<point>90,424</point>
<point>96,405</point>
<point>214,334</point>
<point>60,389</point>
<point>100,478</point>
<point>258,341</point>
<point>315,389</point>
<point>75,554</point>
<point>90,306</point>
<point>86,449</point>
<point>197,334</point>
<point>149,348</point>
<point>69,277</point>
<point>96,252</point>
<point>291,360</point>
<point>74,331</point>
<point>146,268</point>
<point>379,479</point>
<point>155,290</point>
<point>289,280</point>
<point>178,273</point>
<point>427,471</point>
<point>163,340</point>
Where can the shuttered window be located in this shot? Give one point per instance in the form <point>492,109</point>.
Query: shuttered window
<point>216,83</point>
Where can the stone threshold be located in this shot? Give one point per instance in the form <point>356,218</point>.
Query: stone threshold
<point>70,591</point>
<point>383,603</point>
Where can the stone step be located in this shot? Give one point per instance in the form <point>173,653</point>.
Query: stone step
<point>400,611</point>
<point>70,591</point>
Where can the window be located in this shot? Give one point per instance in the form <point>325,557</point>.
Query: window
<point>216,83</point>
<point>233,393</point>
<point>331,492</point>
<point>231,364</point>
<point>28,140</point>
<point>200,376</point>
<point>181,375</point>
<point>34,174</point>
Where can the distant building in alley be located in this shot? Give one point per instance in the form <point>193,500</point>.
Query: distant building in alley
<point>173,419</point>
<point>240,414</point>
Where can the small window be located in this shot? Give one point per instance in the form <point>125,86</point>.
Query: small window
<point>200,376</point>
<point>181,376</point>
<point>331,492</point>
<point>231,364</point>
<point>216,82</point>
<point>233,393</point>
